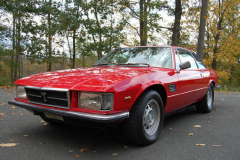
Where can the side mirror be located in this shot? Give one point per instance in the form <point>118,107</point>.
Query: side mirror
<point>185,65</point>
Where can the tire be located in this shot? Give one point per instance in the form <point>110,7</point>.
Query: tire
<point>144,125</point>
<point>206,104</point>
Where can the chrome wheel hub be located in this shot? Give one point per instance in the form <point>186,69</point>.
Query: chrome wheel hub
<point>151,117</point>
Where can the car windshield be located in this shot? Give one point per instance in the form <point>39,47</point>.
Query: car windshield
<point>152,56</point>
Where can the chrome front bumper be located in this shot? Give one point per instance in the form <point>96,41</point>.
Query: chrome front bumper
<point>79,115</point>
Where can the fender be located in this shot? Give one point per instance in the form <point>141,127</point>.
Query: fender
<point>148,85</point>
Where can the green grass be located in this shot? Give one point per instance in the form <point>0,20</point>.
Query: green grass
<point>5,81</point>
<point>228,88</point>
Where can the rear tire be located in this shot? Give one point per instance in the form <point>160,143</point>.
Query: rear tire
<point>146,119</point>
<point>206,104</point>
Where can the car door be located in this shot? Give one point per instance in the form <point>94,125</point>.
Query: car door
<point>204,72</point>
<point>189,80</point>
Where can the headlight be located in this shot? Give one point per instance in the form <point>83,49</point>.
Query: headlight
<point>20,92</point>
<point>95,101</point>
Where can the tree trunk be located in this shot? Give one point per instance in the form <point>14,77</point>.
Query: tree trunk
<point>13,46</point>
<point>142,22</point>
<point>202,29</point>
<point>49,38</point>
<point>145,23</point>
<point>74,48</point>
<point>176,27</point>
<point>216,38</point>
<point>16,76</point>
<point>231,75</point>
<point>74,37</point>
<point>69,47</point>
<point>99,51</point>
<point>83,57</point>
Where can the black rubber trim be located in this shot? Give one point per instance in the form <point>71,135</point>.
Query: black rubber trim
<point>79,115</point>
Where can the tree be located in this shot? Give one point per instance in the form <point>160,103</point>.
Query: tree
<point>102,32</point>
<point>201,35</point>
<point>223,40</point>
<point>147,14</point>
<point>70,20</point>
<point>176,26</point>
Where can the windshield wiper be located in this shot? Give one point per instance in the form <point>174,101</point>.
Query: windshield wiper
<point>134,64</point>
<point>105,64</point>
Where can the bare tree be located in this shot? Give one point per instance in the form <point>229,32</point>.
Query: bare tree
<point>176,27</point>
<point>202,29</point>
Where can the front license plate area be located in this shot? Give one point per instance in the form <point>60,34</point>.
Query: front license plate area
<point>53,116</point>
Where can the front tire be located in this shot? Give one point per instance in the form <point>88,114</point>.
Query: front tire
<point>146,119</point>
<point>206,104</point>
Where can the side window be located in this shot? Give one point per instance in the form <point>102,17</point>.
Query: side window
<point>185,55</point>
<point>199,62</point>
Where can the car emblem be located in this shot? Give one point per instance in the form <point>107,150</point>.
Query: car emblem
<point>44,96</point>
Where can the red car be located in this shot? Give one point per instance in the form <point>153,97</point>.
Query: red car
<point>135,86</point>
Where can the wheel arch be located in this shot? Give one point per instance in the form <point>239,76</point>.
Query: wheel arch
<point>159,88</point>
<point>211,82</point>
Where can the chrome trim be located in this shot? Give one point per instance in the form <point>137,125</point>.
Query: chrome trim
<point>79,115</point>
<point>60,99</point>
<point>51,89</point>
<point>187,92</point>
<point>34,95</point>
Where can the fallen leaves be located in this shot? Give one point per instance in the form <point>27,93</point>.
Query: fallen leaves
<point>125,146</point>
<point>200,144</point>
<point>8,144</point>
<point>83,150</point>
<point>197,126</point>
<point>217,145</point>
<point>41,143</point>
<point>3,114</point>
<point>77,156</point>
<point>2,104</point>
<point>13,107</point>
<point>190,134</point>
<point>25,135</point>
<point>114,154</point>
<point>7,87</point>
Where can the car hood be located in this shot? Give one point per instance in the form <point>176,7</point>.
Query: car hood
<point>98,78</point>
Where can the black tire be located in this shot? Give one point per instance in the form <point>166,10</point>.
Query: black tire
<point>146,119</point>
<point>206,104</point>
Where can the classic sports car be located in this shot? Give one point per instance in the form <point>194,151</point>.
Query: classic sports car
<point>135,86</point>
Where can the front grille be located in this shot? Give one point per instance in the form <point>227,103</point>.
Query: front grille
<point>48,96</point>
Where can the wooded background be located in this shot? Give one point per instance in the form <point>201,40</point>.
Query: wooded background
<point>46,35</point>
